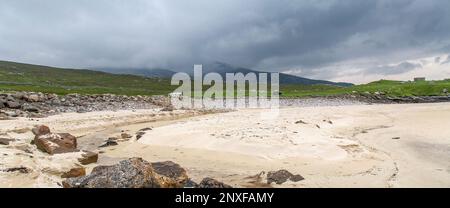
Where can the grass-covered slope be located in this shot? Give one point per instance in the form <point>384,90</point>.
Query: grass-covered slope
<point>27,77</point>
<point>387,87</point>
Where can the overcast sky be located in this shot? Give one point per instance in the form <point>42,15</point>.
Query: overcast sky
<point>342,40</point>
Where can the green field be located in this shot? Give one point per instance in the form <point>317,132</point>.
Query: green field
<point>26,77</point>
<point>387,87</point>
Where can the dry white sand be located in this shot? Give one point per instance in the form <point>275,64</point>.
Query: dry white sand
<point>340,146</point>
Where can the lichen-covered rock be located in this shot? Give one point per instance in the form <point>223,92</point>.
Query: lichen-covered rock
<point>173,171</point>
<point>130,173</point>
<point>282,176</point>
<point>212,183</point>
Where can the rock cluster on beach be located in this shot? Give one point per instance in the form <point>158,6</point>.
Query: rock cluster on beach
<point>31,104</point>
<point>48,146</point>
<point>138,173</point>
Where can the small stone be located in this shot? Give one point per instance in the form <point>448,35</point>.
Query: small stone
<point>395,137</point>
<point>40,130</point>
<point>300,122</point>
<point>125,135</point>
<point>74,172</point>
<point>146,129</point>
<point>30,108</point>
<point>139,135</point>
<point>168,108</point>
<point>109,143</point>
<point>32,98</point>
<point>18,169</point>
<point>5,141</point>
<point>281,176</point>
<point>13,104</point>
<point>88,158</point>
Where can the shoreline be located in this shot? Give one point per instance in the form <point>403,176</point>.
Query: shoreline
<point>354,146</point>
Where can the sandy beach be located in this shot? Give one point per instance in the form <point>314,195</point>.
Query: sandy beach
<point>392,145</point>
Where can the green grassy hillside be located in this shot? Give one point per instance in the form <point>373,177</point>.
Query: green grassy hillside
<point>387,87</point>
<point>26,77</point>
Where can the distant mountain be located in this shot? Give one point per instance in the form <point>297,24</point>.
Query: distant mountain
<point>156,72</point>
<point>223,68</point>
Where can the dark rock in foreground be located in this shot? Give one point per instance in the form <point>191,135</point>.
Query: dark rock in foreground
<point>138,173</point>
<point>212,183</point>
<point>172,170</point>
<point>281,176</point>
<point>131,173</point>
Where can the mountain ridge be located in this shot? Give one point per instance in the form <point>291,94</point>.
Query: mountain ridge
<point>223,68</point>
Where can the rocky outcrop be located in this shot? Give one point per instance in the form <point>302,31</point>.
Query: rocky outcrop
<point>53,143</point>
<point>32,104</point>
<point>281,176</point>
<point>131,173</point>
<point>212,183</point>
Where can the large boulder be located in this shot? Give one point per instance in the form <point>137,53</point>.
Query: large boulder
<point>173,171</point>
<point>53,143</point>
<point>130,173</point>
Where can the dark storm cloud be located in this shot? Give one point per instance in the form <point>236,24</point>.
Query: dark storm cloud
<point>262,34</point>
<point>393,69</point>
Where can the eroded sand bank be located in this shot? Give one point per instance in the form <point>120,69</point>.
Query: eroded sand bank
<point>340,146</point>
